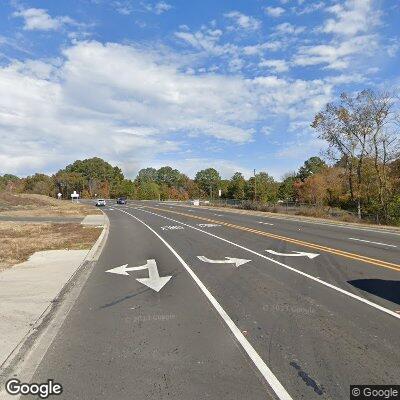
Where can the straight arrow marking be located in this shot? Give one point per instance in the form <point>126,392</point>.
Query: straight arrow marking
<point>294,254</point>
<point>154,281</point>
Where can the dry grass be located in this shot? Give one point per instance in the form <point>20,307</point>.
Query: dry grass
<point>21,240</point>
<point>38,205</point>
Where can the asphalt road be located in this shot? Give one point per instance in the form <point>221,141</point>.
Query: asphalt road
<point>252,318</point>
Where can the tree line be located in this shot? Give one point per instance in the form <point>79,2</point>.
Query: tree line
<point>359,172</point>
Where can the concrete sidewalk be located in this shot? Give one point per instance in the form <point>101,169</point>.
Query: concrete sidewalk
<point>94,220</point>
<point>28,290</point>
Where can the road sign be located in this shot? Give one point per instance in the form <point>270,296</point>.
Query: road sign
<point>75,195</point>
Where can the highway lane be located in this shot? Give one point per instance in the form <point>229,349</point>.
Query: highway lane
<point>315,340</point>
<point>375,243</point>
<point>122,340</point>
<point>375,283</point>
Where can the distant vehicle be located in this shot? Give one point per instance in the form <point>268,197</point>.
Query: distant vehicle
<point>100,203</point>
<point>121,200</point>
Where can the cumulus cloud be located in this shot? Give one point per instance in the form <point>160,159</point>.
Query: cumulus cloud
<point>351,18</point>
<point>275,65</point>
<point>337,54</point>
<point>39,19</point>
<point>287,28</point>
<point>161,7</point>
<point>131,109</point>
<point>243,21</point>
<point>274,11</point>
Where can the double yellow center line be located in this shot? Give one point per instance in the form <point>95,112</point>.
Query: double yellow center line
<point>353,256</point>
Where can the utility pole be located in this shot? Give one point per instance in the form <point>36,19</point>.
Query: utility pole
<point>255,186</point>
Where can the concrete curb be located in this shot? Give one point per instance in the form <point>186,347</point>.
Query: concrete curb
<point>39,327</point>
<point>97,248</point>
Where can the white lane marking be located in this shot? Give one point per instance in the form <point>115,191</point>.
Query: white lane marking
<point>228,260</point>
<point>172,227</point>
<point>338,289</point>
<point>248,348</point>
<point>294,254</point>
<point>218,215</point>
<point>368,241</point>
<point>265,223</point>
<point>207,225</point>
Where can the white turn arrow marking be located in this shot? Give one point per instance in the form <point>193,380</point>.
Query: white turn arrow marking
<point>154,281</point>
<point>294,254</point>
<point>229,260</point>
<point>123,269</point>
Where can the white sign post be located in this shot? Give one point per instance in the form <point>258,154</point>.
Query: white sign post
<point>75,196</point>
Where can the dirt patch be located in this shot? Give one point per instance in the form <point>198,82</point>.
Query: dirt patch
<point>38,205</point>
<point>21,240</point>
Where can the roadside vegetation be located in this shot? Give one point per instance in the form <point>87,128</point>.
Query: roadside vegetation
<point>20,240</point>
<point>358,177</point>
<point>37,205</point>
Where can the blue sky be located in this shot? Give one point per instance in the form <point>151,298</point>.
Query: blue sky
<point>228,84</point>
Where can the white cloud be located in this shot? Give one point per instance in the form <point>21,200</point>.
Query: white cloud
<point>157,8</point>
<point>132,109</point>
<point>274,11</point>
<point>352,17</point>
<point>243,21</point>
<point>39,19</point>
<point>260,48</point>
<point>310,8</point>
<point>336,55</point>
<point>287,28</point>
<point>162,7</point>
<point>206,40</point>
<point>275,65</point>
<point>123,7</point>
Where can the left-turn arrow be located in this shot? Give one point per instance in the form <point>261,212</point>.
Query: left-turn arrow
<point>154,281</point>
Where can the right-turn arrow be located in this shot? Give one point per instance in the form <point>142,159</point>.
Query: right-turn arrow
<point>228,260</point>
<point>294,254</point>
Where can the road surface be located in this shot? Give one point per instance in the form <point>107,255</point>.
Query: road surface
<point>230,306</point>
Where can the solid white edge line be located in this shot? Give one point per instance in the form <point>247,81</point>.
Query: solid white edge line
<point>248,348</point>
<point>338,289</point>
<point>368,241</point>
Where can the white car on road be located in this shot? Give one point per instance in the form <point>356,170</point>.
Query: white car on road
<point>100,203</point>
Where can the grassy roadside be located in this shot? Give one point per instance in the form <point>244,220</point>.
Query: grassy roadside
<point>19,240</point>
<point>32,205</point>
